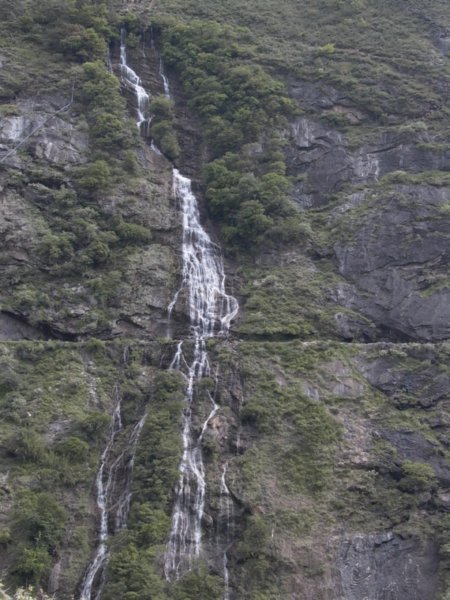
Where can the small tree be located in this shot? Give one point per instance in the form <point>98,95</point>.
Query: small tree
<point>417,477</point>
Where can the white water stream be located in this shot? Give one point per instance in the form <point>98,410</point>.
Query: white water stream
<point>103,489</point>
<point>109,474</point>
<point>226,511</point>
<point>132,81</point>
<point>211,311</point>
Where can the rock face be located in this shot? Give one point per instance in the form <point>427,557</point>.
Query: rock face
<point>385,567</point>
<point>387,541</point>
<point>327,462</point>
<point>12,329</point>
<point>49,137</point>
<point>386,200</point>
<point>323,156</point>
<point>395,252</point>
<point>43,152</point>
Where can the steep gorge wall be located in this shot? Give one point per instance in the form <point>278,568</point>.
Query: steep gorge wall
<point>336,451</point>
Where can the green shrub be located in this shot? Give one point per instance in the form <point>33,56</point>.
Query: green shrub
<point>165,138</point>
<point>84,44</point>
<point>5,537</point>
<point>252,222</point>
<point>94,176</point>
<point>27,299</point>
<point>38,517</point>
<point>417,477</point>
<point>151,524</point>
<point>132,233</point>
<point>32,564</point>
<point>9,380</point>
<point>132,576</point>
<point>28,446</point>
<point>80,31</point>
<point>38,523</point>
<point>105,107</point>
<point>260,568</point>
<point>109,131</point>
<point>94,425</point>
<point>56,248</point>
<point>161,108</point>
<point>100,90</point>
<point>249,206</point>
<point>97,252</point>
<point>219,85</point>
<point>73,449</point>
<point>239,104</point>
<point>198,584</point>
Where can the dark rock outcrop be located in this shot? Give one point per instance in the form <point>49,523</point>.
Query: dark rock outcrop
<point>383,566</point>
<point>395,251</point>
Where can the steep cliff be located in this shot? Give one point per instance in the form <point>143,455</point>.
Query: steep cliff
<point>317,428</point>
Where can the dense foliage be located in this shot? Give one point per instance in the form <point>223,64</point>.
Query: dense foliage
<point>240,106</point>
<point>78,29</point>
<point>39,385</point>
<point>382,54</point>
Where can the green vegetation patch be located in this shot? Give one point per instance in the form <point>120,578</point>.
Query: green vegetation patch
<point>287,301</point>
<point>54,404</point>
<point>56,401</point>
<point>380,54</point>
<point>239,104</point>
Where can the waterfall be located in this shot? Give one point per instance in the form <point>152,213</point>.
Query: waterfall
<point>164,79</point>
<point>226,512</point>
<point>110,494</point>
<point>133,82</point>
<point>211,311</point>
<point>103,493</point>
<point>127,459</point>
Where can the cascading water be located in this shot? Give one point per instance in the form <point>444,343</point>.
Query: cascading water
<point>132,81</point>
<point>226,513</point>
<point>115,491</point>
<point>211,311</point>
<point>164,79</point>
<point>127,460</point>
<point>113,483</point>
<point>103,492</point>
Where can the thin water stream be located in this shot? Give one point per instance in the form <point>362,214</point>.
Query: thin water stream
<point>103,489</point>
<point>211,311</point>
<point>226,512</point>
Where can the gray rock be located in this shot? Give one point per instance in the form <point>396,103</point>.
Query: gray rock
<point>398,248</point>
<point>383,566</point>
<point>325,162</point>
<point>319,154</point>
<point>45,134</point>
<point>411,445</point>
<point>12,328</point>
